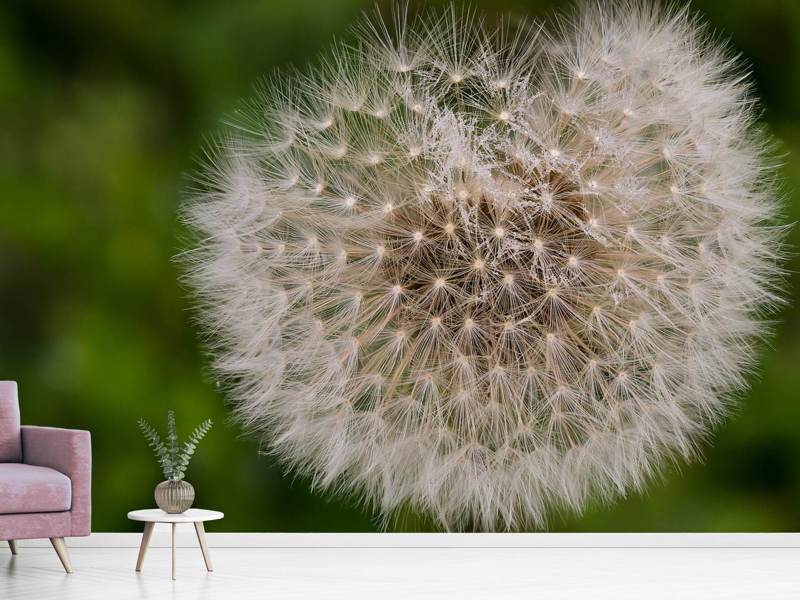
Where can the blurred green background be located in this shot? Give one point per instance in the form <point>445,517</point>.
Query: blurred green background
<point>103,106</point>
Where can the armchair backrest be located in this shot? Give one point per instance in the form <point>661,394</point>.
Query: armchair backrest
<point>10,437</point>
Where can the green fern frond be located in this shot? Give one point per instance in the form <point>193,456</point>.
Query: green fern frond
<point>173,457</point>
<point>191,444</point>
<point>157,445</point>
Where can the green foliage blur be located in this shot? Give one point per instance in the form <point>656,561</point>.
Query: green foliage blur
<point>103,110</point>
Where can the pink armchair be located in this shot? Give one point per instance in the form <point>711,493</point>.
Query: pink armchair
<point>45,479</point>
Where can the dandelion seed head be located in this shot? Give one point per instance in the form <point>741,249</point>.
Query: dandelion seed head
<point>554,261</point>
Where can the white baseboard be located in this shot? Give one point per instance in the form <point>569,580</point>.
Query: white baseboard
<point>186,538</point>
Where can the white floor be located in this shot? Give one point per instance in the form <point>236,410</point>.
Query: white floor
<point>492,573</point>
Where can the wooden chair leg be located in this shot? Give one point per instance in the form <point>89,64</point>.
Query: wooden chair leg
<point>148,533</point>
<point>61,549</point>
<point>13,546</point>
<point>201,537</point>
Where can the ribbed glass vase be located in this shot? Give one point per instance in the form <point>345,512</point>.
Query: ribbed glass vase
<point>173,496</point>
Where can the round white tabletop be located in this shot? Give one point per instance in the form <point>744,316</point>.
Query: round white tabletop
<point>156,515</point>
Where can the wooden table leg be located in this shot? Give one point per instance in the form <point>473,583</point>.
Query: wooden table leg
<point>148,532</point>
<point>173,551</point>
<point>13,546</point>
<point>201,537</point>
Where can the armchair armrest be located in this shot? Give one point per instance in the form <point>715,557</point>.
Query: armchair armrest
<point>70,452</point>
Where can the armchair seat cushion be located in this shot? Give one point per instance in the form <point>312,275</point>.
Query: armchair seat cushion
<point>29,489</point>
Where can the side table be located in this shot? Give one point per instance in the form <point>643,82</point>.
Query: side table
<point>196,516</point>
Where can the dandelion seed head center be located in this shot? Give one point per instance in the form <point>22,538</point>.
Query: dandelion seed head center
<point>481,261</point>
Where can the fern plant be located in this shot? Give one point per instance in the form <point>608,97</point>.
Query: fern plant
<point>173,457</point>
